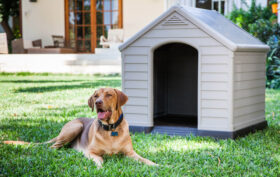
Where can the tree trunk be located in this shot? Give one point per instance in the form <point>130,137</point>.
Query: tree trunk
<point>8,30</point>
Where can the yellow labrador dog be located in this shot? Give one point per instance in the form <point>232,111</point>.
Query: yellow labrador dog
<point>108,134</point>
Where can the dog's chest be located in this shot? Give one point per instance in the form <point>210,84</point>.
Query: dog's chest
<point>109,144</point>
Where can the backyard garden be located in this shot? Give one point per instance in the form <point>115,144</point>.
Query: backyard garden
<point>34,107</point>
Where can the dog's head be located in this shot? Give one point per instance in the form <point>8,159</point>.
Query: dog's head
<point>106,101</point>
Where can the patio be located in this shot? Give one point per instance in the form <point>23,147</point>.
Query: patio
<point>105,61</point>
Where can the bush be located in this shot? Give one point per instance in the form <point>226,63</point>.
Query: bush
<point>262,23</point>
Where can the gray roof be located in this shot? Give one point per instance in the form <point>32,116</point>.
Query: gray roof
<point>213,23</point>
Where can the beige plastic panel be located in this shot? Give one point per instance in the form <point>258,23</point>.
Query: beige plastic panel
<point>215,77</point>
<point>249,89</point>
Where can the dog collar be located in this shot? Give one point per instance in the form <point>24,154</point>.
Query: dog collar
<point>110,127</point>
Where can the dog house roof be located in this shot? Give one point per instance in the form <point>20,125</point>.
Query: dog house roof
<point>214,24</point>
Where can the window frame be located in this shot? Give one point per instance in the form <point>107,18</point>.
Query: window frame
<point>93,25</point>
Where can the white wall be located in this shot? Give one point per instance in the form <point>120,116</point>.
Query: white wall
<point>42,19</point>
<point>229,4</point>
<point>138,13</point>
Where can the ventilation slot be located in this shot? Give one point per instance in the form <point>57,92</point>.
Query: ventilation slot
<point>175,20</point>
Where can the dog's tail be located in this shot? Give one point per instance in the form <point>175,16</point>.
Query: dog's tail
<point>15,142</point>
<point>23,142</point>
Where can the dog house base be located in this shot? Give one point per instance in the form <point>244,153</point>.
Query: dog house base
<point>183,131</point>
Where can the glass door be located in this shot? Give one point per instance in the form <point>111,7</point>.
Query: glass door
<point>108,16</point>
<point>87,20</point>
<point>80,25</point>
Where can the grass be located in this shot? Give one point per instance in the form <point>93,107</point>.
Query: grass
<point>33,108</point>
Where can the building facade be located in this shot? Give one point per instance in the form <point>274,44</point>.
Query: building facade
<point>82,22</point>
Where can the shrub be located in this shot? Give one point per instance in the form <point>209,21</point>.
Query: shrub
<point>262,23</point>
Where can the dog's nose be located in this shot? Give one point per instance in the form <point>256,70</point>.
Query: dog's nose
<point>99,102</point>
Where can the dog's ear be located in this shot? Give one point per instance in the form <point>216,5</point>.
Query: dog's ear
<point>122,98</point>
<point>91,102</point>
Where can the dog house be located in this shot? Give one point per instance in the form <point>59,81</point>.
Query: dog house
<point>193,71</point>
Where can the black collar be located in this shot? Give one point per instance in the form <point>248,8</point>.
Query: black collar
<point>110,127</point>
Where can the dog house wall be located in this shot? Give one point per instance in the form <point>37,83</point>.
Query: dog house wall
<point>231,78</point>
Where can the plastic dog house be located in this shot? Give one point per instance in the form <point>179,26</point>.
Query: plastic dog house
<point>193,71</point>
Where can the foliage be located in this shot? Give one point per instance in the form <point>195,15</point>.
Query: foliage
<point>262,23</point>
<point>16,32</point>
<point>34,107</point>
<point>273,63</point>
<point>254,16</point>
<point>272,2</point>
<point>8,8</point>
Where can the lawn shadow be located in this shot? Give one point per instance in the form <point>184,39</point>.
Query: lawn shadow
<point>68,112</point>
<point>183,155</point>
<point>93,84</point>
<point>39,81</point>
<point>30,129</point>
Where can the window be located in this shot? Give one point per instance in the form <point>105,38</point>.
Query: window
<point>79,25</point>
<point>87,20</point>
<point>204,4</point>
<point>218,5</point>
<point>108,16</point>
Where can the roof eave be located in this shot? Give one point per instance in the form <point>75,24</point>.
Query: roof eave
<point>220,38</point>
<point>252,48</point>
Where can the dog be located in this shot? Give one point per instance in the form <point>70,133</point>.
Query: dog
<point>107,134</point>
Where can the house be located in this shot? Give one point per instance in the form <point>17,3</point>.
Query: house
<point>82,22</point>
<point>192,70</point>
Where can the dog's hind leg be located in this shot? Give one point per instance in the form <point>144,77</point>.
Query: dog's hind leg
<point>68,133</point>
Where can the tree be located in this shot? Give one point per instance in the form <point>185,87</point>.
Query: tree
<point>8,8</point>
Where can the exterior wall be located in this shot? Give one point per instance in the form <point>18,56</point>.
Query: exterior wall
<point>249,89</point>
<point>214,76</point>
<point>139,13</point>
<point>229,4</point>
<point>42,19</point>
<point>170,3</point>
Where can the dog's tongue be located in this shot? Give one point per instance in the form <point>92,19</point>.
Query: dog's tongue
<point>104,115</point>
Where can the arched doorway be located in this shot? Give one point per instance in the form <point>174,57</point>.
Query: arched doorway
<point>175,80</point>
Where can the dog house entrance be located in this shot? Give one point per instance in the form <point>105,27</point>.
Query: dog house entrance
<point>175,85</point>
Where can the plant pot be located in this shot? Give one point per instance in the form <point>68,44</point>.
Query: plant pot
<point>274,8</point>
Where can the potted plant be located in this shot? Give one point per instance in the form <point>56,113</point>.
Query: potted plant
<point>274,6</point>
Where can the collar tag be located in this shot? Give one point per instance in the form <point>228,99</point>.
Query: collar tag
<point>114,133</point>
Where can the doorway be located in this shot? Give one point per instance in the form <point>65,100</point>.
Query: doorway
<point>175,85</point>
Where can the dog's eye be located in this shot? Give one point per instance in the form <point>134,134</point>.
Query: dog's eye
<point>95,96</point>
<point>108,95</point>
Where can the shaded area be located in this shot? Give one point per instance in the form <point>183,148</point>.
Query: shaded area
<point>38,81</point>
<point>30,129</point>
<point>178,156</point>
<point>97,83</point>
<point>175,85</point>
<point>176,120</point>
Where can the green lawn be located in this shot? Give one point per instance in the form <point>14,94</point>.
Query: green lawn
<point>33,108</point>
